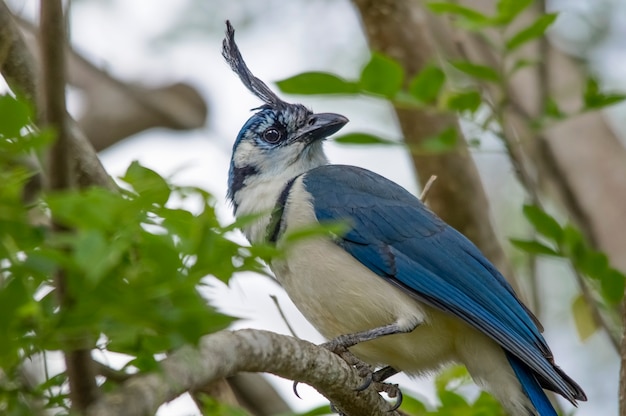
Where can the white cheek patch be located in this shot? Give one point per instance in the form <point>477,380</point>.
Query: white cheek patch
<point>244,152</point>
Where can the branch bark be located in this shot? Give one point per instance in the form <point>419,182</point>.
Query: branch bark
<point>16,66</point>
<point>227,353</point>
<point>400,29</point>
<point>125,108</point>
<point>20,70</point>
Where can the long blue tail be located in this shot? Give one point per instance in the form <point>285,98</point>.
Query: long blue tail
<point>531,387</point>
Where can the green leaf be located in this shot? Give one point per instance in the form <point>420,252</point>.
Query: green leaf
<point>91,208</point>
<point>521,64</point>
<point>472,16</point>
<point>413,406</point>
<point>572,243</point>
<point>583,318</point>
<point>211,406</point>
<point>508,10</point>
<point>453,400</point>
<point>595,99</point>
<point>552,109</point>
<point>612,285</point>
<point>450,375</point>
<point>382,75</point>
<point>533,247</point>
<point>309,83</point>
<point>543,223</point>
<point>477,71</point>
<point>464,101</point>
<point>427,85</point>
<point>14,116</point>
<point>593,263</point>
<point>443,142</point>
<point>486,404</point>
<point>316,411</point>
<point>147,183</point>
<point>95,255</point>
<point>531,32</point>
<point>364,139</point>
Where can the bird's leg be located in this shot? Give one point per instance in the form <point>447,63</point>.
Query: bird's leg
<point>383,374</point>
<point>343,342</point>
<point>340,345</point>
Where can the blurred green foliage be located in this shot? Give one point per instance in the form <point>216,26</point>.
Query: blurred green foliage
<point>131,261</point>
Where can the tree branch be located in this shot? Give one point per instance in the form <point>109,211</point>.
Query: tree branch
<point>80,369</point>
<point>126,108</point>
<point>53,109</point>
<point>227,353</point>
<point>16,66</point>
<point>19,69</point>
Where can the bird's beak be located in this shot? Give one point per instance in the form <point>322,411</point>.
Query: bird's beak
<point>320,126</point>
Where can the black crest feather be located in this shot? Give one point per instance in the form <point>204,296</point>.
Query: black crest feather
<point>231,53</point>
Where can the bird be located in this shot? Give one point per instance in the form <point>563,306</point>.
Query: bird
<point>398,286</point>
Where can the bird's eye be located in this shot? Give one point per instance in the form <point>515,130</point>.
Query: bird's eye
<point>272,135</point>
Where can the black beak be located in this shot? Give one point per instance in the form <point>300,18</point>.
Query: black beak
<point>320,126</point>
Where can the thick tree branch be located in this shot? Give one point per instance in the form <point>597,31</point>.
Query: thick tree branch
<point>16,66</point>
<point>227,353</point>
<point>125,108</point>
<point>401,30</point>
<point>19,69</point>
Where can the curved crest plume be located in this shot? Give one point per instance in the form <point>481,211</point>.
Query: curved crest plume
<point>231,53</point>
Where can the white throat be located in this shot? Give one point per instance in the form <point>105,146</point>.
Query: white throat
<point>261,191</point>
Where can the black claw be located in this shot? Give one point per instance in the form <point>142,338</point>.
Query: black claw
<point>368,379</point>
<point>398,400</point>
<point>295,390</point>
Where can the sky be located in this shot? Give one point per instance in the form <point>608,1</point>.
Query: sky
<point>159,41</point>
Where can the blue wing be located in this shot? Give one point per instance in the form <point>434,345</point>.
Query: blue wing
<point>398,238</point>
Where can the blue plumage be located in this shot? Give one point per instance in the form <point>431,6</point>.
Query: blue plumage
<point>401,240</point>
<point>531,387</point>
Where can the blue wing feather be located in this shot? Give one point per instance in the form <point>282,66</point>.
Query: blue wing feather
<point>397,237</point>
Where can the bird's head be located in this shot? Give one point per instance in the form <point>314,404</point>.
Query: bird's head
<point>281,140</point>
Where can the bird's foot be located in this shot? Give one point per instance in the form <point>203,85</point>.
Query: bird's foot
<point>364,370</point>
<point>338,346</point>
<point>371,377</point>
<point>377,380</point>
